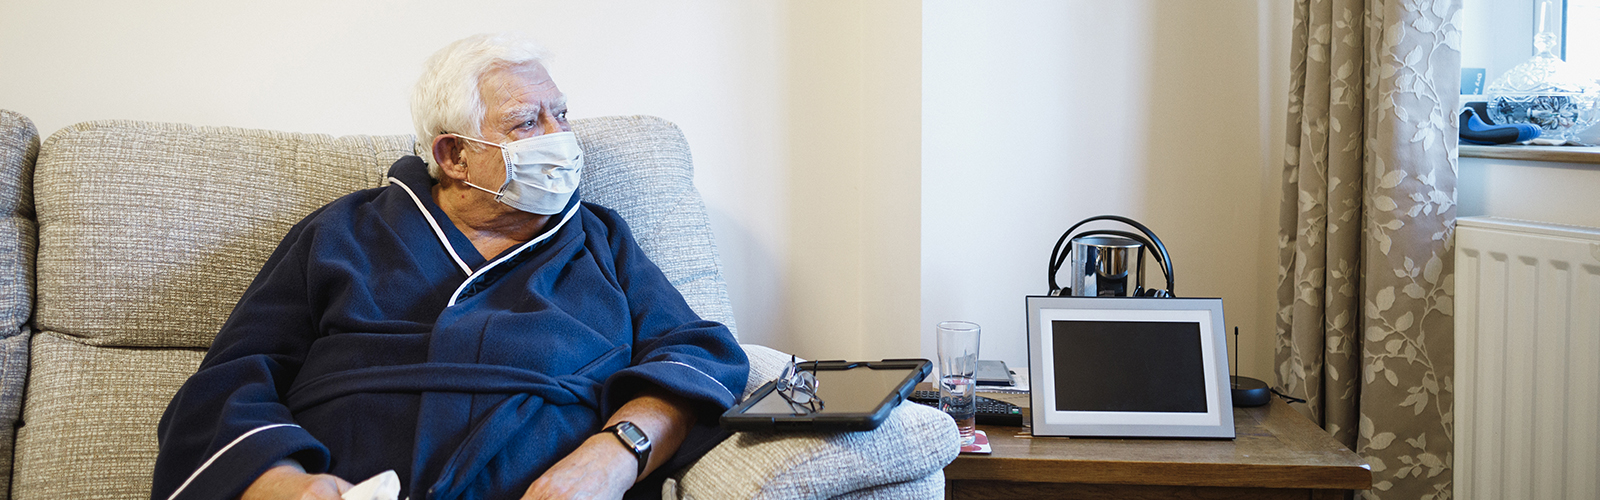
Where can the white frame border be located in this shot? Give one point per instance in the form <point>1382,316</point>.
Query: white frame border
<point>1216,422</point>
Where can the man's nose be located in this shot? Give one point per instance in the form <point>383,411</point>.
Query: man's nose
<point>553,123</point>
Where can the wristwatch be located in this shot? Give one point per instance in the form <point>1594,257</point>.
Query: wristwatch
<point>634,440</point>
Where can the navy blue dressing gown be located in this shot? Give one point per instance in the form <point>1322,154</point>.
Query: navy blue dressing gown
<point>367,343</point>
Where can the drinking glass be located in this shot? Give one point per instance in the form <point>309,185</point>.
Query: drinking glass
<point>958,366</point>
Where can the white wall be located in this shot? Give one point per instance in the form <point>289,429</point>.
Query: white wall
<point>834,140</point>
<point>1497,34</point>
<point>1037,114</point>
<point>1555,192</point>
<point>779,100</point>
<point>853,181</point>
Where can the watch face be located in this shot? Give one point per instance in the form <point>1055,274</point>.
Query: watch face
<point>634,435</point>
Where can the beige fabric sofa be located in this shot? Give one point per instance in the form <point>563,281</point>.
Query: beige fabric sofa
<point>126,244</point>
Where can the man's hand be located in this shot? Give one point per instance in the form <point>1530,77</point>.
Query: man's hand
<point>600,468</point>
<point>286,480</point>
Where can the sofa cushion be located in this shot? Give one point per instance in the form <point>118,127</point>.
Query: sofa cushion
<point>895,460</point>
<point>90,419</point>
<point>929,486</point>
<point>915,442</point>
<point>150,232</point>
<point>19,146</point>
<point>13,377</point>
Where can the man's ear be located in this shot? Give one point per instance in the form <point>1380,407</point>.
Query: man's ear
<point>447,151</point>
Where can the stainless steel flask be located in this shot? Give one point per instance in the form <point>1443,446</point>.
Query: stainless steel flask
<point>1101,266</point>
<point>1108,262</point>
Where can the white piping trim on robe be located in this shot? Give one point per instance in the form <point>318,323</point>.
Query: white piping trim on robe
<point>713,379</point>
<point>219,454</point>
<point>436,230</point>
<point>467,269</point>
<point>520,249</point>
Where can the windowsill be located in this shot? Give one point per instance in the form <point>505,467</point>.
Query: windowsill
<point>1566,154</point>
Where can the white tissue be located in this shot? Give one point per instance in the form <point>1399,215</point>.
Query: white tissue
<point>385,486</point>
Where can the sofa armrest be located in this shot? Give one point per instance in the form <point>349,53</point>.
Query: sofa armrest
<point>765,364</point>
<point>914,442</point>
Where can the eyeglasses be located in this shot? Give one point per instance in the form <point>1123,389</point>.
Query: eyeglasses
<point>799,388</point>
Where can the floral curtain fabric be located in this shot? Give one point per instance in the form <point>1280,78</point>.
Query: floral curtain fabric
<point>1365,326</point>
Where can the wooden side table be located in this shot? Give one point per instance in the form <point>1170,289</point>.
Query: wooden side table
<point>1278,454</point>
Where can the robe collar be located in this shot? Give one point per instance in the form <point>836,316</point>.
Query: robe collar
<point>410,174</point>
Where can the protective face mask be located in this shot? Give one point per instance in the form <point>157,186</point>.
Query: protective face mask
<point>542,172</point>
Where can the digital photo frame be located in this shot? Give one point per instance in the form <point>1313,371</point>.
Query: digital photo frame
<point>1128,367</point>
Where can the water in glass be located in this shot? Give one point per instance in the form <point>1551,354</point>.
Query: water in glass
<point>956,399</point>
<point>958,366</point>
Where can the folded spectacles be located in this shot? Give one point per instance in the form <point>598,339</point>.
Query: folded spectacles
<point>799,388</point>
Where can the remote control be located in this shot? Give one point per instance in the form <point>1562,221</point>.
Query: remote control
<point>990,411</point>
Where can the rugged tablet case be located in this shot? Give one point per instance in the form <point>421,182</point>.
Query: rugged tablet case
<point>737,418</point>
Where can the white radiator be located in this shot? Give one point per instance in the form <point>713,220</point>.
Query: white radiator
<point>1527,360</point>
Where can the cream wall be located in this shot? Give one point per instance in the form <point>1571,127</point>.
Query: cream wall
<point>778,99</point>
<point>834,140</point>
<point>1037,114</point>
<point>1553,192</point>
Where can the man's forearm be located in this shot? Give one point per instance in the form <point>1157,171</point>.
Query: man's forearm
<point>600,467</point>
<point>664,417</point>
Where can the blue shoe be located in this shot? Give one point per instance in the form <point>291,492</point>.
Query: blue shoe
<point>1475,130</point>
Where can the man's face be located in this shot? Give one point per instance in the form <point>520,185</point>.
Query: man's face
<point>520,102</point>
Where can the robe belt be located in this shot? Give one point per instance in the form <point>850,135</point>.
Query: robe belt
<point>445,377</point>
<point>528,392</point>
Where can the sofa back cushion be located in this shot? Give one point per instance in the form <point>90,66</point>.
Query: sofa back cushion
<point>19,146</point>
<point>150,232</point>
<point>640,167</point>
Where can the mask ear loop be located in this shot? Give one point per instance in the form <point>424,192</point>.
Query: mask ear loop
<point>468,182</point>
<point>481,188</point>
<point>463,161</point>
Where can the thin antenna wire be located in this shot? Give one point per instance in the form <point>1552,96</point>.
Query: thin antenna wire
<point>1235,381</point>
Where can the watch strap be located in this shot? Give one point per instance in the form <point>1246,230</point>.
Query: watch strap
<point>640,447</point>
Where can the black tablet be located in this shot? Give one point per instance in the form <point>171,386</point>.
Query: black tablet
<point>856,396</point>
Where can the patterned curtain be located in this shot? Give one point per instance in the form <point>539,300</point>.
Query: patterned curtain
<point>1366,278</point>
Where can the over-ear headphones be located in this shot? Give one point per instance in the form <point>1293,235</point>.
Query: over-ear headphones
<point>1148,239</point>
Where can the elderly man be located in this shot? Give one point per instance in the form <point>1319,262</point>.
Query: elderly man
<point>472,326</point>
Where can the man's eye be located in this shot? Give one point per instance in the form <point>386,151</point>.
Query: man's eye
<point>530,123</point>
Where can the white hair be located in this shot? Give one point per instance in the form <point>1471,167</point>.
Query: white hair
<point>447,100</point>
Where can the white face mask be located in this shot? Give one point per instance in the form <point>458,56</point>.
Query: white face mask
<point>542,172</point>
